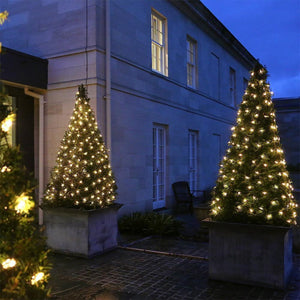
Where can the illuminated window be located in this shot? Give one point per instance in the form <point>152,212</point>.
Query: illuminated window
<point>159,43</point>
<point>191,67</point>
<point>232,86</point>
<point>11,137</point>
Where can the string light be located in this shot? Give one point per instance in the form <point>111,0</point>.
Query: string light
<point>37,277</point>
<point>9,263</point>
<point>23,204</point>
<point>7,122</point>
<point>256,131</point>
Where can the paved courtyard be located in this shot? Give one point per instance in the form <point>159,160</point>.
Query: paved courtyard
<point>166,269</point>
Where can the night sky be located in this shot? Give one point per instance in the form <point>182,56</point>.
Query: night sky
<point>270,30</point>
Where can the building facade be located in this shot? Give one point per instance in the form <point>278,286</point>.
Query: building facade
<point>164,77</point>
<point>288,120</point>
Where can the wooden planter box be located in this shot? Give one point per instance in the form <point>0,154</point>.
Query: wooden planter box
<point>250,254</point>
<point>82,232</point>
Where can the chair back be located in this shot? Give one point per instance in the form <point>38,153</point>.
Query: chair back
<point>181,191</point>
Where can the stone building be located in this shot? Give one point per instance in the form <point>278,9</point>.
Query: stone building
<point>288,121</point>
<point>164,78</point>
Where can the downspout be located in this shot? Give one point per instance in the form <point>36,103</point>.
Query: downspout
<point>108,78</point>
<point>41,147</point>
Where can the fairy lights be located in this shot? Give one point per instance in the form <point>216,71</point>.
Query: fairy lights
<point>37,277</point>
<point>9,263</point>
<point>83,157</point>
<point>253,173</point>
<point>23,204</point>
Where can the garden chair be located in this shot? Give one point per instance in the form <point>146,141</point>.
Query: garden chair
<point>183,195</point>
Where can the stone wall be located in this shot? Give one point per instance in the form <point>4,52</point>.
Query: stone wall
<point>56,30</point>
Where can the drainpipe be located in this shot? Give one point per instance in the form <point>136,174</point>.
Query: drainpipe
<point>108,77</point>
<point>41,147</point>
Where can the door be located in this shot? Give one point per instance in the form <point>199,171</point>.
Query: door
<point>193,161</point>
<point>159,166</point>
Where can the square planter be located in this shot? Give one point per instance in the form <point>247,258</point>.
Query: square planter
<point>296,229</point>
<point>250,254</point>
<point>201,212</point>
<point>82,232</point>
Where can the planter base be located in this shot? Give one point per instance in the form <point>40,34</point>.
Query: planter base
<point>82,232</point>
<point>250,254</point>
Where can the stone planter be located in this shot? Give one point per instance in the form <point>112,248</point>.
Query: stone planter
<point>250,254</point>
<point>82,232</point>
<point>296,229</point>
<point>201,212</point>
<point>296,239</point>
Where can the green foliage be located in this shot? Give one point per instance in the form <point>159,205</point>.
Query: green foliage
<point>82,177</point>
<point>20,239</point>
<point>149,224</point>
<point>24,266</point>
<point>253,184</point>
<point>134,223</point>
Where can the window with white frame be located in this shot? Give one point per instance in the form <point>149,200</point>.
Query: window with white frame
<point>159,166</point>
<point>159,48</point>
<point>215,76</point>
<point>193,159</point>
<point>232,86</point>
<point>191,67</point>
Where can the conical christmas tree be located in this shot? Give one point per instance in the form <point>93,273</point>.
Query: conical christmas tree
<point>253,184</point>
<point>82,177</point>
<point>24,268</point>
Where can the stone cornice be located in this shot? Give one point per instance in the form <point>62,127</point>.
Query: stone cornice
<point>201,16</point>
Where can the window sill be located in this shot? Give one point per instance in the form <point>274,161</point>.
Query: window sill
<point>159,73</point>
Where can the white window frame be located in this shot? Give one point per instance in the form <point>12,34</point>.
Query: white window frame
<point>159,166</point>
<point>159,43</point>
<point>232,86</point>
<point>215,60</point>
<point>191,63</point>
<point>193,159</point>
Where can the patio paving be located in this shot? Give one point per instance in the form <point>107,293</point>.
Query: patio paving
<point>154,268</point>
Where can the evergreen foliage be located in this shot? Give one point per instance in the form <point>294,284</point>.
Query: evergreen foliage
<point>24,267</point>
<point>82,177</point>
<point>253,185</point>
<point>150,223</point>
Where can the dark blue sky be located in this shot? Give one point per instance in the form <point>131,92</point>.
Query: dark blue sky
<point>270,30</point>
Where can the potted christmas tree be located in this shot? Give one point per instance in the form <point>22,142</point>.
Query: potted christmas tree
<point>24,267</point>
<point>253,208</point>
<point>79,202</point>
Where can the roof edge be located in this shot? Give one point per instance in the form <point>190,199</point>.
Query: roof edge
<point>202,16</point>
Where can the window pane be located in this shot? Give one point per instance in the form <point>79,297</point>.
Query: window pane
<point>159,55</point>
<point>158,59</point>
<point>153,57</point>
<point>191,63</point>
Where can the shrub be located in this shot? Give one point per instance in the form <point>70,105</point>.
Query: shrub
<point>149,224</point>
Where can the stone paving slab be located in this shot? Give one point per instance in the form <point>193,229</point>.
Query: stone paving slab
<point>123,275</point>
